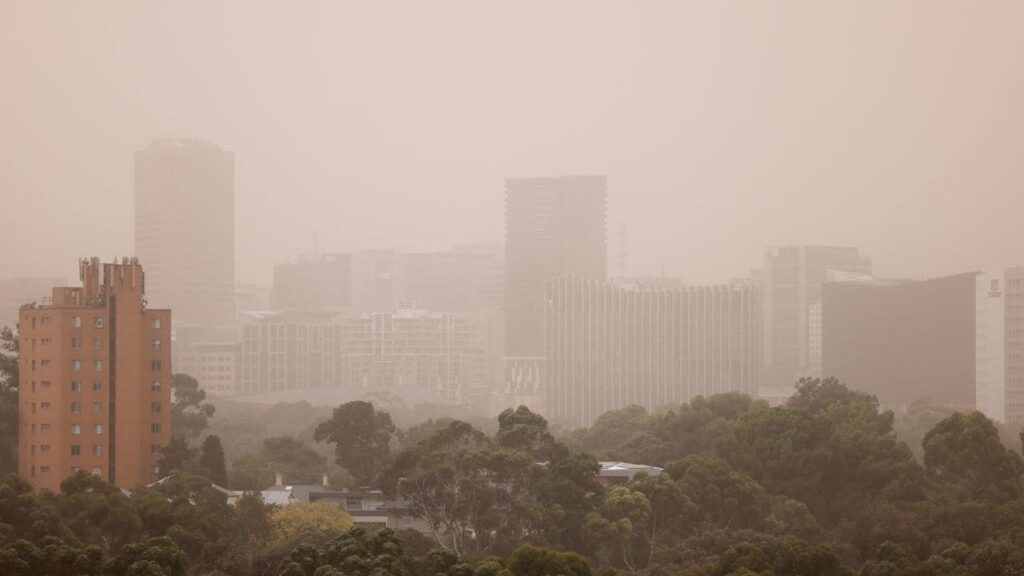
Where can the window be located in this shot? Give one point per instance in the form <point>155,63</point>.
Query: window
<point>154,428</point>
<point>97,472</point>
<point>46,341</point>
<point>76,385</point>
<point>76,429</point>
<point>156,344</point>
<point>45,363</point>
<point>44,426</point>
<point>44,469</point>
<point>154,407</point>
<point>45,405</point>
<point>76,343</point>
<point>156,323</point>
<point>353,503</point>
<point>97,450</point>
<point>44,384</point>
<point>46,320</point>
<point>76,407</point>
<point>155,365</point>
<point>33,385</point>
<point>76,321</point>
<point>76,365</point>
<point>97,322</point>
<point>33,449</point>
<point>154,386</point>
<point>44,448</point>
<point>97,429</point>
<point>76,450</point>
<point>97,407</point>
<point>33,428</point>
<point>97,344</point>
<point>97,386</point>
<point>97,365</point>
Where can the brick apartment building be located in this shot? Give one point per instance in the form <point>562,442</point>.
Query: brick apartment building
<point>95,380</point>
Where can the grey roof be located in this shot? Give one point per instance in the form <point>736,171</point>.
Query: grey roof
<point>626,469</point>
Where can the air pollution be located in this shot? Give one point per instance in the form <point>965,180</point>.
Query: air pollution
<point>492,288</point>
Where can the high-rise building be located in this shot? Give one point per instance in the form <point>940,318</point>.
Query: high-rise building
<point>903,341</point>
<point>1000,345</point>
<point>610,346</point>
<point>554,227</point>
<point>94,381</point>
<point>185,229</point>
<point>792,279</point>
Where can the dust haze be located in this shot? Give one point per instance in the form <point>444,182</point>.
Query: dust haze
<point>722,127</point>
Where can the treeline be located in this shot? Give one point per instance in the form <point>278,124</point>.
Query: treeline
<point>820,486</point>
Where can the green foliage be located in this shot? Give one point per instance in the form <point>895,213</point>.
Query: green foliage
<point>965,450</point>
<point>362,439</point>
<point>190,413</point>
<point>211,459</point>
<point>8,401</point>
<point>290,456</point>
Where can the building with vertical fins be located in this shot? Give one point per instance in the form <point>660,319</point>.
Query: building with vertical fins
<point>554,227</point>
<point>999,364</point>
<point>609,346</point>
<point>94,380</point>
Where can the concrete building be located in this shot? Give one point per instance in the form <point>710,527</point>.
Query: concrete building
<point>609,347</point>
<point>185,229</point>
<point>554,227</point>
<point>792,282</point>
<point>320,284</point>
<point>210,354</point>
<point>289,351</point>
<point>903,341</point>
<point>999,368</point>
<point>95,380</point>
<point>16,292</point>
<point>420,355</point>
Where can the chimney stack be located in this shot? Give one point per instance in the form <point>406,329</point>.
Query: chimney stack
<point>278,479</point>
<point>325,483</point>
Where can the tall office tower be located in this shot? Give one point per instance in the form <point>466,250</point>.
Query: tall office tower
<point>610,346</point>
<point>902,341</point>
<point>185,229</point>
<point>554,227</point>
<point>1000,345</point>
<point>95,381</point>
<point>792,280</point>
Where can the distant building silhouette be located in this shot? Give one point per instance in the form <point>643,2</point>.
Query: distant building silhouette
<point>903,341</point>
<point>94,381</point>
<point>412,353</point>
<point>554,227</point>
<point>610,346</point>
<point>185,229</point>
<point>792,279</point>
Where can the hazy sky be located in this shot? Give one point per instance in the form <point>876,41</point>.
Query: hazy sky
<point>897,126</point>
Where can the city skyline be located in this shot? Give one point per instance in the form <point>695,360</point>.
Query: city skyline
<point>791,125</point>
